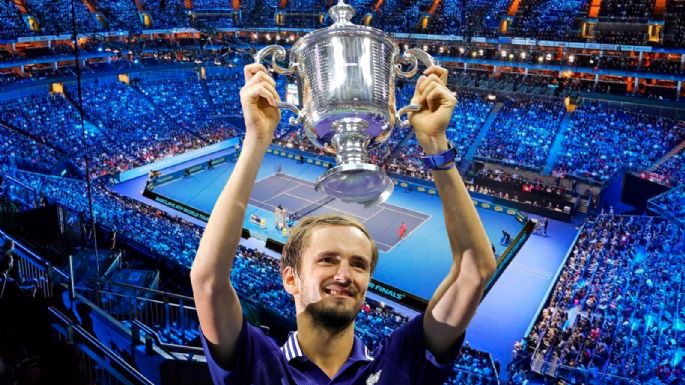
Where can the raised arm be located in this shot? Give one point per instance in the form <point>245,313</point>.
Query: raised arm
<point>216,301</point>
<point>456,299</point>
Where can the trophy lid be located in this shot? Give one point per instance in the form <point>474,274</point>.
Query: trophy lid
<point>341,13</point>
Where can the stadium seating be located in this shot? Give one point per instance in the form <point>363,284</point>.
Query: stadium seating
<point>598,142</point>
<point>541,19</point>
<point>55,17</point>
<point>631,10</point>
<point>672,204</point>
<point>11,23</point>
<point>209,4</point>
<point>523,132</point>
<point>548,19</point>
<point>616,306</point>
<point>483,17</point>
<point>165,14</point>
<point>121,15</point>
<point>16,149</point>
<point>673,170</point>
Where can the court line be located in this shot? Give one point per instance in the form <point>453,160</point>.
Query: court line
<point>411,231</point>
<point>374,214</point>
<point>405,213</point>
<point>282,193</point>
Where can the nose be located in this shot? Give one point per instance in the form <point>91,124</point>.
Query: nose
<point>342,275</point>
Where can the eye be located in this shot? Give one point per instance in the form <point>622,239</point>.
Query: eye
<point>327,260</point>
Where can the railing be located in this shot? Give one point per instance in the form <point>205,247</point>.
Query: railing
<point>171,315</point>
<point>36,269</point>
<point>576,375</point>
<point>151,338</point>
<point>27,195</point>
<point>97,363</point>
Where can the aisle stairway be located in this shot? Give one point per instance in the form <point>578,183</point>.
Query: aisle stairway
<point>556,145</point>
<point>483,132</point>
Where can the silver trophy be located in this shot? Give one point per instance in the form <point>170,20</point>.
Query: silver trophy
<point>346,77</point>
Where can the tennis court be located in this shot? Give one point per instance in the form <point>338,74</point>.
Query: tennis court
<point>298,197</point>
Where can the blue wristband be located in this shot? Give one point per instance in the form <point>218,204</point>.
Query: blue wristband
<point>442,161</point>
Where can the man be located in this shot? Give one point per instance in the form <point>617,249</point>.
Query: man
<point>402,231</point>
<point>326,267</point>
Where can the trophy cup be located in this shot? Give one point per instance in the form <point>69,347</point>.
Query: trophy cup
<point>346,77</point>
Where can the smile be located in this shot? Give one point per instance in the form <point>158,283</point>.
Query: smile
<point>339,293</point>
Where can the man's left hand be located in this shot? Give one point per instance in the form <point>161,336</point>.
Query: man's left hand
<point>437,105</point>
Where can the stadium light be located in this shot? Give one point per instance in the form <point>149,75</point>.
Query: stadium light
<point>523,55</point>
<point>461,50</point>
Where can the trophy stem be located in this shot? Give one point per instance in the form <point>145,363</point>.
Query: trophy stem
<point>350,141</point>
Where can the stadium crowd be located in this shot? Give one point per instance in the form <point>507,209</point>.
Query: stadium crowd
<point>673,170</point>
<point>541,19</point>
<point>523,132</point>
<point>673,203</point>
<point>610,314</point>
<point>597,143</point>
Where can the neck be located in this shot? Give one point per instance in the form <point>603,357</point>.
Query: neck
<point>327,349</point>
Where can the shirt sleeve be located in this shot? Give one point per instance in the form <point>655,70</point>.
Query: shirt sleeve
<point>252,345</point>
<point>407,346</point>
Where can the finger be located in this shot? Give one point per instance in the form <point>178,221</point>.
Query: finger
<point>259,77</point>
<point>435,78</point>
<point>420,84</point>
<point>427,88</point>
<point>440,72</point>
<point>439,96</point>
<point>251,69</point>
<point>272,91</point>
<point>427,91</point>
<point>254,93</point>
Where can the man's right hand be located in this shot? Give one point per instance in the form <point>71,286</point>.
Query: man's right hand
<point>259,101</point>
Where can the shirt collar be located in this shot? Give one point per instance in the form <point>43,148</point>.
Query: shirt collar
<point>291,349</point>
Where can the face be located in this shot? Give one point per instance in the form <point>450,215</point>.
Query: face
<point>335,269</point>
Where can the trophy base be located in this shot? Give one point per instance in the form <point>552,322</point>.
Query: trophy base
<point>356,183</point>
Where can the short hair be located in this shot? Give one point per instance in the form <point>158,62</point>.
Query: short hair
<point>299,235</point>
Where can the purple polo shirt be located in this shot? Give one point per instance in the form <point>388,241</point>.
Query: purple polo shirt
<point>400,359</point>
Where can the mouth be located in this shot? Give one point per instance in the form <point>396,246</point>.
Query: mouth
<point>338,292</point>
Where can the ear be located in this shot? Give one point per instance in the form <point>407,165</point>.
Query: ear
<point>290,281</point>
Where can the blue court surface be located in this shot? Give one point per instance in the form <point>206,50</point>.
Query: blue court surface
<point>416,263</point>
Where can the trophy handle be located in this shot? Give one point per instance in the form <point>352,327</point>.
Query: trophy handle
<point>404,123</point>
<point>412,57</point>
<point>278,53</point>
